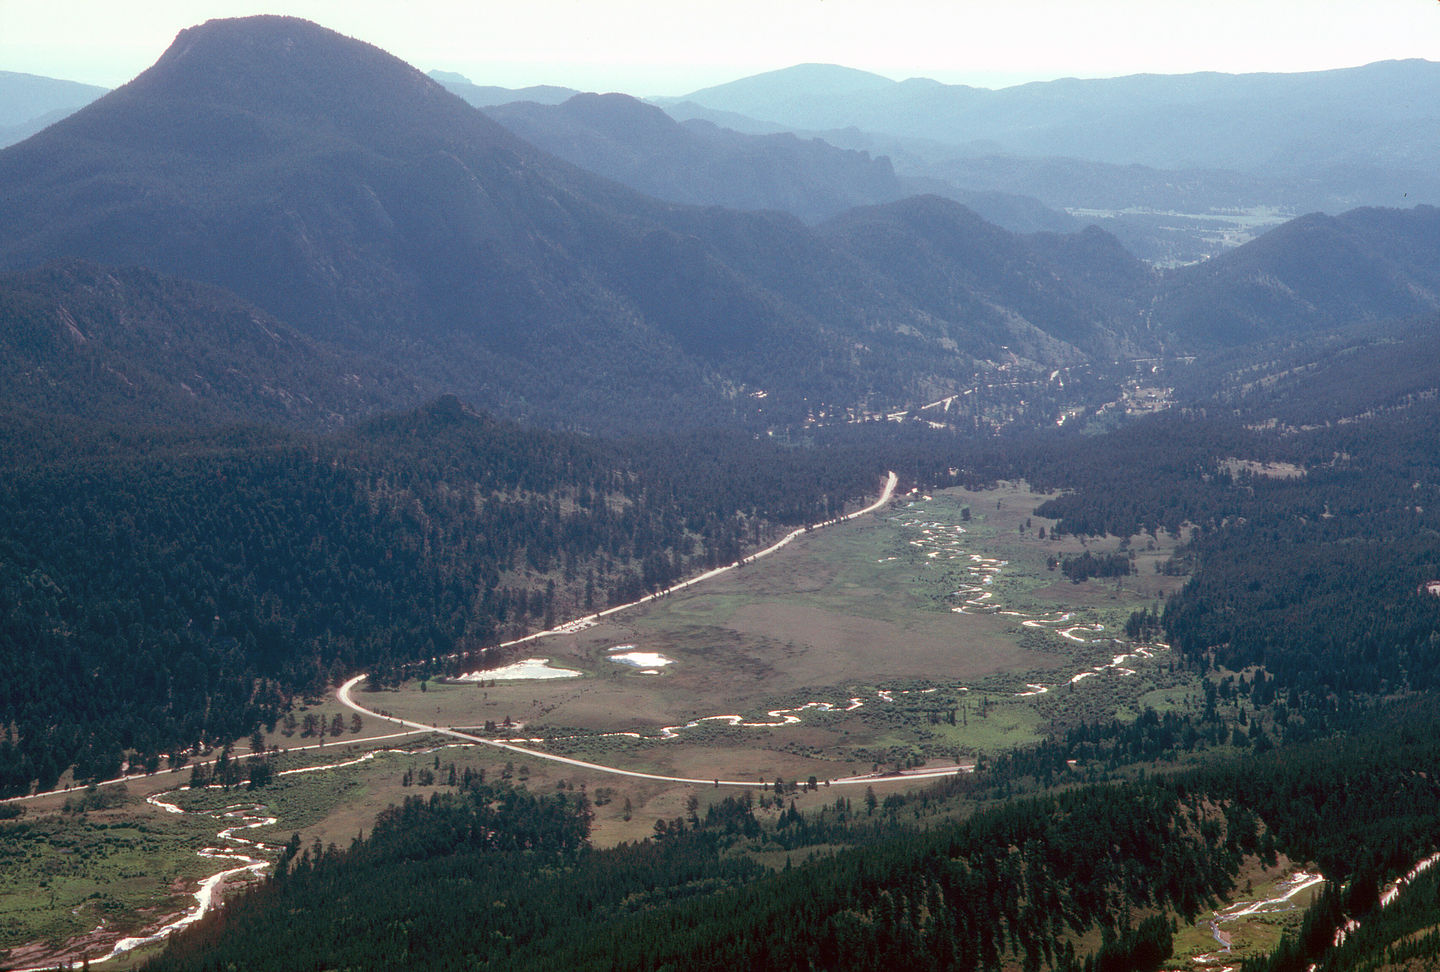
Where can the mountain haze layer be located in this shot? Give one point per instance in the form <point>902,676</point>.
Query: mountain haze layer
<point>1180,167</point>
<point>1204,120</point>
<point>28,103</point>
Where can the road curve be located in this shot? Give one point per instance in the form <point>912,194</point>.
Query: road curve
<point>344,693</point>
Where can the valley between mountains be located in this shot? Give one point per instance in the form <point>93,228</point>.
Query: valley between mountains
<point>817,522</point>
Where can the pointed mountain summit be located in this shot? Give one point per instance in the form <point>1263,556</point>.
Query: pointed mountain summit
<point>261,154</point>
<point>267,155</point>
<point>348,194</point>
<point>294,71</point>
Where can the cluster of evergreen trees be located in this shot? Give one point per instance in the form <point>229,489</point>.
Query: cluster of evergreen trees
<point>1088,565</point>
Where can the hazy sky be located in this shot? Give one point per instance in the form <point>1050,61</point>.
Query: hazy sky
<point>655,47</point>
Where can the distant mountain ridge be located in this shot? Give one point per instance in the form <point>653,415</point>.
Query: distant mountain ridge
<point>488,95</point>
<point>27,96</point>
<point>350,198</point>
<point>1199,120</point>
<point>699,163</point>
<point>1181,167</point>
<point>29,102</point>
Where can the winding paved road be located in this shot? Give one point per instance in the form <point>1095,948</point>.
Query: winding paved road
<point>344,693</point>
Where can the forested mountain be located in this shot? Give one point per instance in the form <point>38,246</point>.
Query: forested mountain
<point>354,199</point>
<point>707,161</point>
<point>941,255</point>
<point>349,196</point>
<point>1313,273</point>
<point>700,163</point>
<point>1337,377</point>
<point>134,346</point>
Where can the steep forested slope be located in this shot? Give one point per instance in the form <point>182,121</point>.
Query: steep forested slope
<point>945,258</point>
<point>1011,882</point>
<point>136,347</point>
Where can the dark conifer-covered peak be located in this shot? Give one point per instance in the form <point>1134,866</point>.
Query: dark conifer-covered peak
<point>909,234</point>
<point>256,79</point>
<point>1098,258</point>
<point>449,410</point>
<point>922,211</point>
<point>944,224</point>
